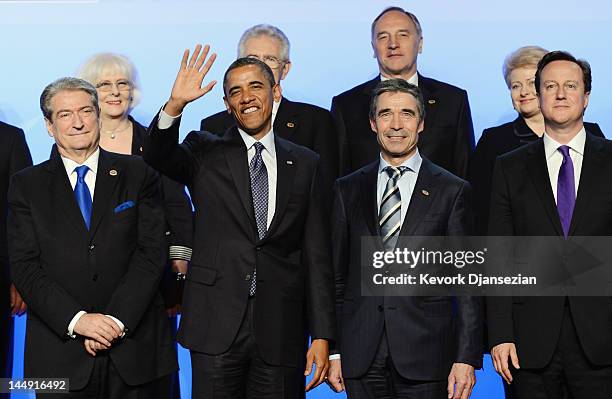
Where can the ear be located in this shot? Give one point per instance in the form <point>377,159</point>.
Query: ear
<point>227,106</point>
<point>421,45</point>
<point>373,125</point>
<point>277,92</point>
<point>586,100</point>
<point>421,126</point>
<point>49,126</point>
<point>285,70</point>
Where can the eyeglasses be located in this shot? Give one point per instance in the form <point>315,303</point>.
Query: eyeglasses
<point>269,60</point>
<point>122,85</point>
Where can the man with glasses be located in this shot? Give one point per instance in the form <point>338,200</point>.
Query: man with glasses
<point>303,124</point>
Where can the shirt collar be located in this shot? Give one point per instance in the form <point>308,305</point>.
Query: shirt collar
<point>267,141</point>
<point>275,106</point>
<point>91,162</point>
<point>414,79</point>
<point>576,144</point>
<point>413,163</point>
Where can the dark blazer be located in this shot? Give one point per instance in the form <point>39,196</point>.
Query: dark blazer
<point>294,272</point>
<point>522,204</point>
<point>425,336</point>
<point>496,141</point>
<point>300,123</point>
<point>448,138</point>
<point>114,268</point>
<point>14,156</point>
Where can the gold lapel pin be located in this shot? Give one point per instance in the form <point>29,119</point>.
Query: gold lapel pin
<point>290,124</point>
<point>425,192</point>
<point>431,101</point>
<point>112,172</point>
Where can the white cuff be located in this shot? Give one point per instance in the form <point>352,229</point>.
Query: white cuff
<point>119,323</point>
<point>180,252</point>
<point>165,121</point>
<point>334,357</point>
<point>73,322</point>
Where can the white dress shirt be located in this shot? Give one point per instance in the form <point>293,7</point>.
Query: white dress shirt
<point>414,79</point>
<point>554,158</point>
<point>275,106</point>
<point>269,156</point>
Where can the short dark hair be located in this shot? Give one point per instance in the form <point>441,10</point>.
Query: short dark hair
<point>410,15</point>
<point>397,86</point>
<point>66,84</point>
<point>244,61</point>
<point>564,56</point>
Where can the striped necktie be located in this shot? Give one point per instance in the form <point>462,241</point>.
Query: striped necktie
<point>390,216</point>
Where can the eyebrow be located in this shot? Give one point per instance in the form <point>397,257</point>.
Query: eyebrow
<point>78,109</point>
<point>387,32</point>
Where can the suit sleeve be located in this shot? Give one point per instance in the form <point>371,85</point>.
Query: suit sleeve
<point>340,257</point>
<point>342,138</point>
<point>326,145</point>
<point>464,141</point>
<point>20,154</point>
<point>499,308</point>
<point>469,331</point>
<point>316,255</point>
<point>133,296</point>
<point>179,216</point>
<point>480,175</point>
<point>44,296</point>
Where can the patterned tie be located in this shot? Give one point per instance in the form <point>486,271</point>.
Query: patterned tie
<point>390,216</point>
<point>82,194</point>
<point>566,190</point>
<point>259,191</point>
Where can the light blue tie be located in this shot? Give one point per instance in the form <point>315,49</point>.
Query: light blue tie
<point>82,194</point>
<point>259,192</point>
<point>389,215</point>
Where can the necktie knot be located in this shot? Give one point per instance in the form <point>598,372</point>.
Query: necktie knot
<point>395,172</point>
<point>81,172</point>
<point>258,148</point>
<point>564,149</point>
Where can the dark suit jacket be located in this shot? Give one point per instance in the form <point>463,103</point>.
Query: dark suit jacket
<point>114,268</point>
<point>14,156</point>
<point>294,272</point>
<point>300,123</point>
<point>424,336</point>
<point>448,138</point>
<point>496,141</point>
<point>522,204</point>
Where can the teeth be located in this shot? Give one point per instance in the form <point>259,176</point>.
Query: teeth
<point>249,110</point>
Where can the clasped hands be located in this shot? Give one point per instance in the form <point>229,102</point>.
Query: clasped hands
<point>100,332</point>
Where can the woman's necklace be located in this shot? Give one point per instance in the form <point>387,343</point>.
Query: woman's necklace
<point>113,133</point>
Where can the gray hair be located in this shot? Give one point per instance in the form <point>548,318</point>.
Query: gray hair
<point>397,86</point>
<point>524,57</point>
<point>410,15</point>
<point>99,64</point>
<point>265,30</point>
<point>66,84</point>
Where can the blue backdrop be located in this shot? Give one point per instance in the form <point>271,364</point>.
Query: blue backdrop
<point>464,44</point>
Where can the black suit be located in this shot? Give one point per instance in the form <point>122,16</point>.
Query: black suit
<point>447,140</point>
<point>294,274</point>
<point>522,204</point>
<point>494,142</point>
<point>423,336</point>
<point>113,268</point>
<point>14,156</point>
<point>300,123</point>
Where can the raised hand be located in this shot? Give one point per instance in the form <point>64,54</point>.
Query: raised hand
<point>188,83</point>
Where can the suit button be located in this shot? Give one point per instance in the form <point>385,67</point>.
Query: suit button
<point>258,248</point>
<point>380,308</point>
<point>247,277</point>
<point>91,247</point>
<point>95,277</point>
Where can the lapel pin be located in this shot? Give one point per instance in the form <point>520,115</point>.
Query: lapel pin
<point>425,192</point>
<point>290,124</point>
<point>112,172</point>
<point>140,149</point>
<point>431,101</point>
<point>289,162</point>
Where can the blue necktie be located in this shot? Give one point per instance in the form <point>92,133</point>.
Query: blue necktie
<point>82,194</point>
<point>259,191</point>
<point>566,190</point>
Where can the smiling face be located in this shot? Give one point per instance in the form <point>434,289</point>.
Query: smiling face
<point>249,96</point>
<point>396,45</point>
<point>522,91</point>
<point>74,122</point>
<point>562,96</point>
<point>397,126</point>
<point>115,94</point>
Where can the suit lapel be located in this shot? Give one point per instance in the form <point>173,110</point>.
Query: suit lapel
<point>369,187</point>
<point>538,170</point>
<point>286,121</point>
<point>238,164</point>
<point>62,195</point>
<point>106,181</point>
<point>422,197</point>
<point>286,166</point>
<point>592,162</point>
<point>430,97</point>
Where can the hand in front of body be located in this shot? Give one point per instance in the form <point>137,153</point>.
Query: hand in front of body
<point>318,353</point>
<point>461,381</point>
<point>500,354</point>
